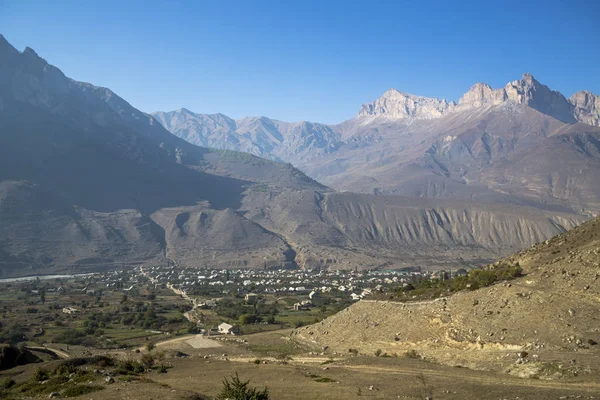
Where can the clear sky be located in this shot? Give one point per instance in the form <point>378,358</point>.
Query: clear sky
<point>307,60</point>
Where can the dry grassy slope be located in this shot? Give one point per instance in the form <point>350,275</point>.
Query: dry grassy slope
<point>553,308</point>
<point>199,235</point>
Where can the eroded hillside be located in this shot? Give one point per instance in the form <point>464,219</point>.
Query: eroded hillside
<point>551,313</point>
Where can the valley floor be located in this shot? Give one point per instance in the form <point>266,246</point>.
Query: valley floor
<point>291,371</point>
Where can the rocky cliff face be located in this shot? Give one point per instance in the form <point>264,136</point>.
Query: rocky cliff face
<point>481,94</point>
<point>395,104</point>
<point>525,91</point>
<point>587,107</point>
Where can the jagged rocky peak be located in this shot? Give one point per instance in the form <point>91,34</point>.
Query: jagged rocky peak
<point>529,91</point>
<point>396,104</point>
<point>583,106</point>
<point>587,107</point>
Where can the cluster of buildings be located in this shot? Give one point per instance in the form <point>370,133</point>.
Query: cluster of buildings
<point>355,285</point>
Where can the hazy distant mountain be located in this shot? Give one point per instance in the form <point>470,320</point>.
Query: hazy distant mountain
<point>523,143</point>
<point>261,136</point>
<point>89,182</point>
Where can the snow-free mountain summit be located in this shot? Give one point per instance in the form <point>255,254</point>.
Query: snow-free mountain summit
<point>523,143</point>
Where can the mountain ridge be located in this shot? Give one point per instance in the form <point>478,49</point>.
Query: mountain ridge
<point>412,145</point>
<point>88,182</point>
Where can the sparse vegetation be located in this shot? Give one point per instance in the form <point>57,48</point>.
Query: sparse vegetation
<point>80,390</point>
<point>476,278</point>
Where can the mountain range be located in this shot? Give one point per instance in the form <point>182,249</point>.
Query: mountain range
<point>88,182</point>
<point>493,145</point>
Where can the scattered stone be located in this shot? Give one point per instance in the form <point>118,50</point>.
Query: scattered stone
<point>54,395</point>
<point>110,379</point>
<point>571,312</point>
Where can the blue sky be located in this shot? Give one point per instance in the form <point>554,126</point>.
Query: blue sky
<point>303,59</point>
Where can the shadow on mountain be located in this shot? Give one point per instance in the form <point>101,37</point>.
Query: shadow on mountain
<point>103,168</point>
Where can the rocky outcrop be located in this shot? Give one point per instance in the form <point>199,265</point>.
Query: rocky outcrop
<point>481,94</point>
<point>529,91</point>
<point>587,107</point>
<point>396,104</point>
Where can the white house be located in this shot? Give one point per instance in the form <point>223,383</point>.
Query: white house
<point>227,329</point>
<point>355,296</point>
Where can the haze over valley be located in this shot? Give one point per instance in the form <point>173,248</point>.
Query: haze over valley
<point>89,182</point>
<point>276,200</point>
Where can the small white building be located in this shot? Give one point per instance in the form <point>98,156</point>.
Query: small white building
<point>70,310</point>
<point>227,329</point>
<point>355,296</point>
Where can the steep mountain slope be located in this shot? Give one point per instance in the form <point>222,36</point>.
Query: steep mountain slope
<point>89,182</point>
<point>477,148</point>
<point>82,173</point>
<point>551,312</point>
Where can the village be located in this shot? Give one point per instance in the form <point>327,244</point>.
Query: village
<point>122,308</point>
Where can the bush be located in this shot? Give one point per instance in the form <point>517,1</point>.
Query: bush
<point>105,361</point>
<point>40,375</point>
<point>412,354</point>
<point>72,336</point>
<point>235,389</point>
<point>7,383</point>
<point>147,360</point>
<point>378,352</point>
<point>246,319</point>
<point>79,390</point>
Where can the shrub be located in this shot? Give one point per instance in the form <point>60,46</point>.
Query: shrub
<point>150,346</point>
<point>257,361</point>
<point>105,361</point>
<point>412,354</point>
<point>162,369</point>
<point>378,352</point>
<point>79,390</point>
<point>235,389</point>
<point>7,383</point>
<point>147,360</point>
<point>40,375</point>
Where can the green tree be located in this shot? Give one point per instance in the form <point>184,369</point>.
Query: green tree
<point>235,389</point>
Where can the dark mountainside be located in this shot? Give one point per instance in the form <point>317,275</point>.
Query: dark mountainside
<point>88,182</point>
<point>522,144</point>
